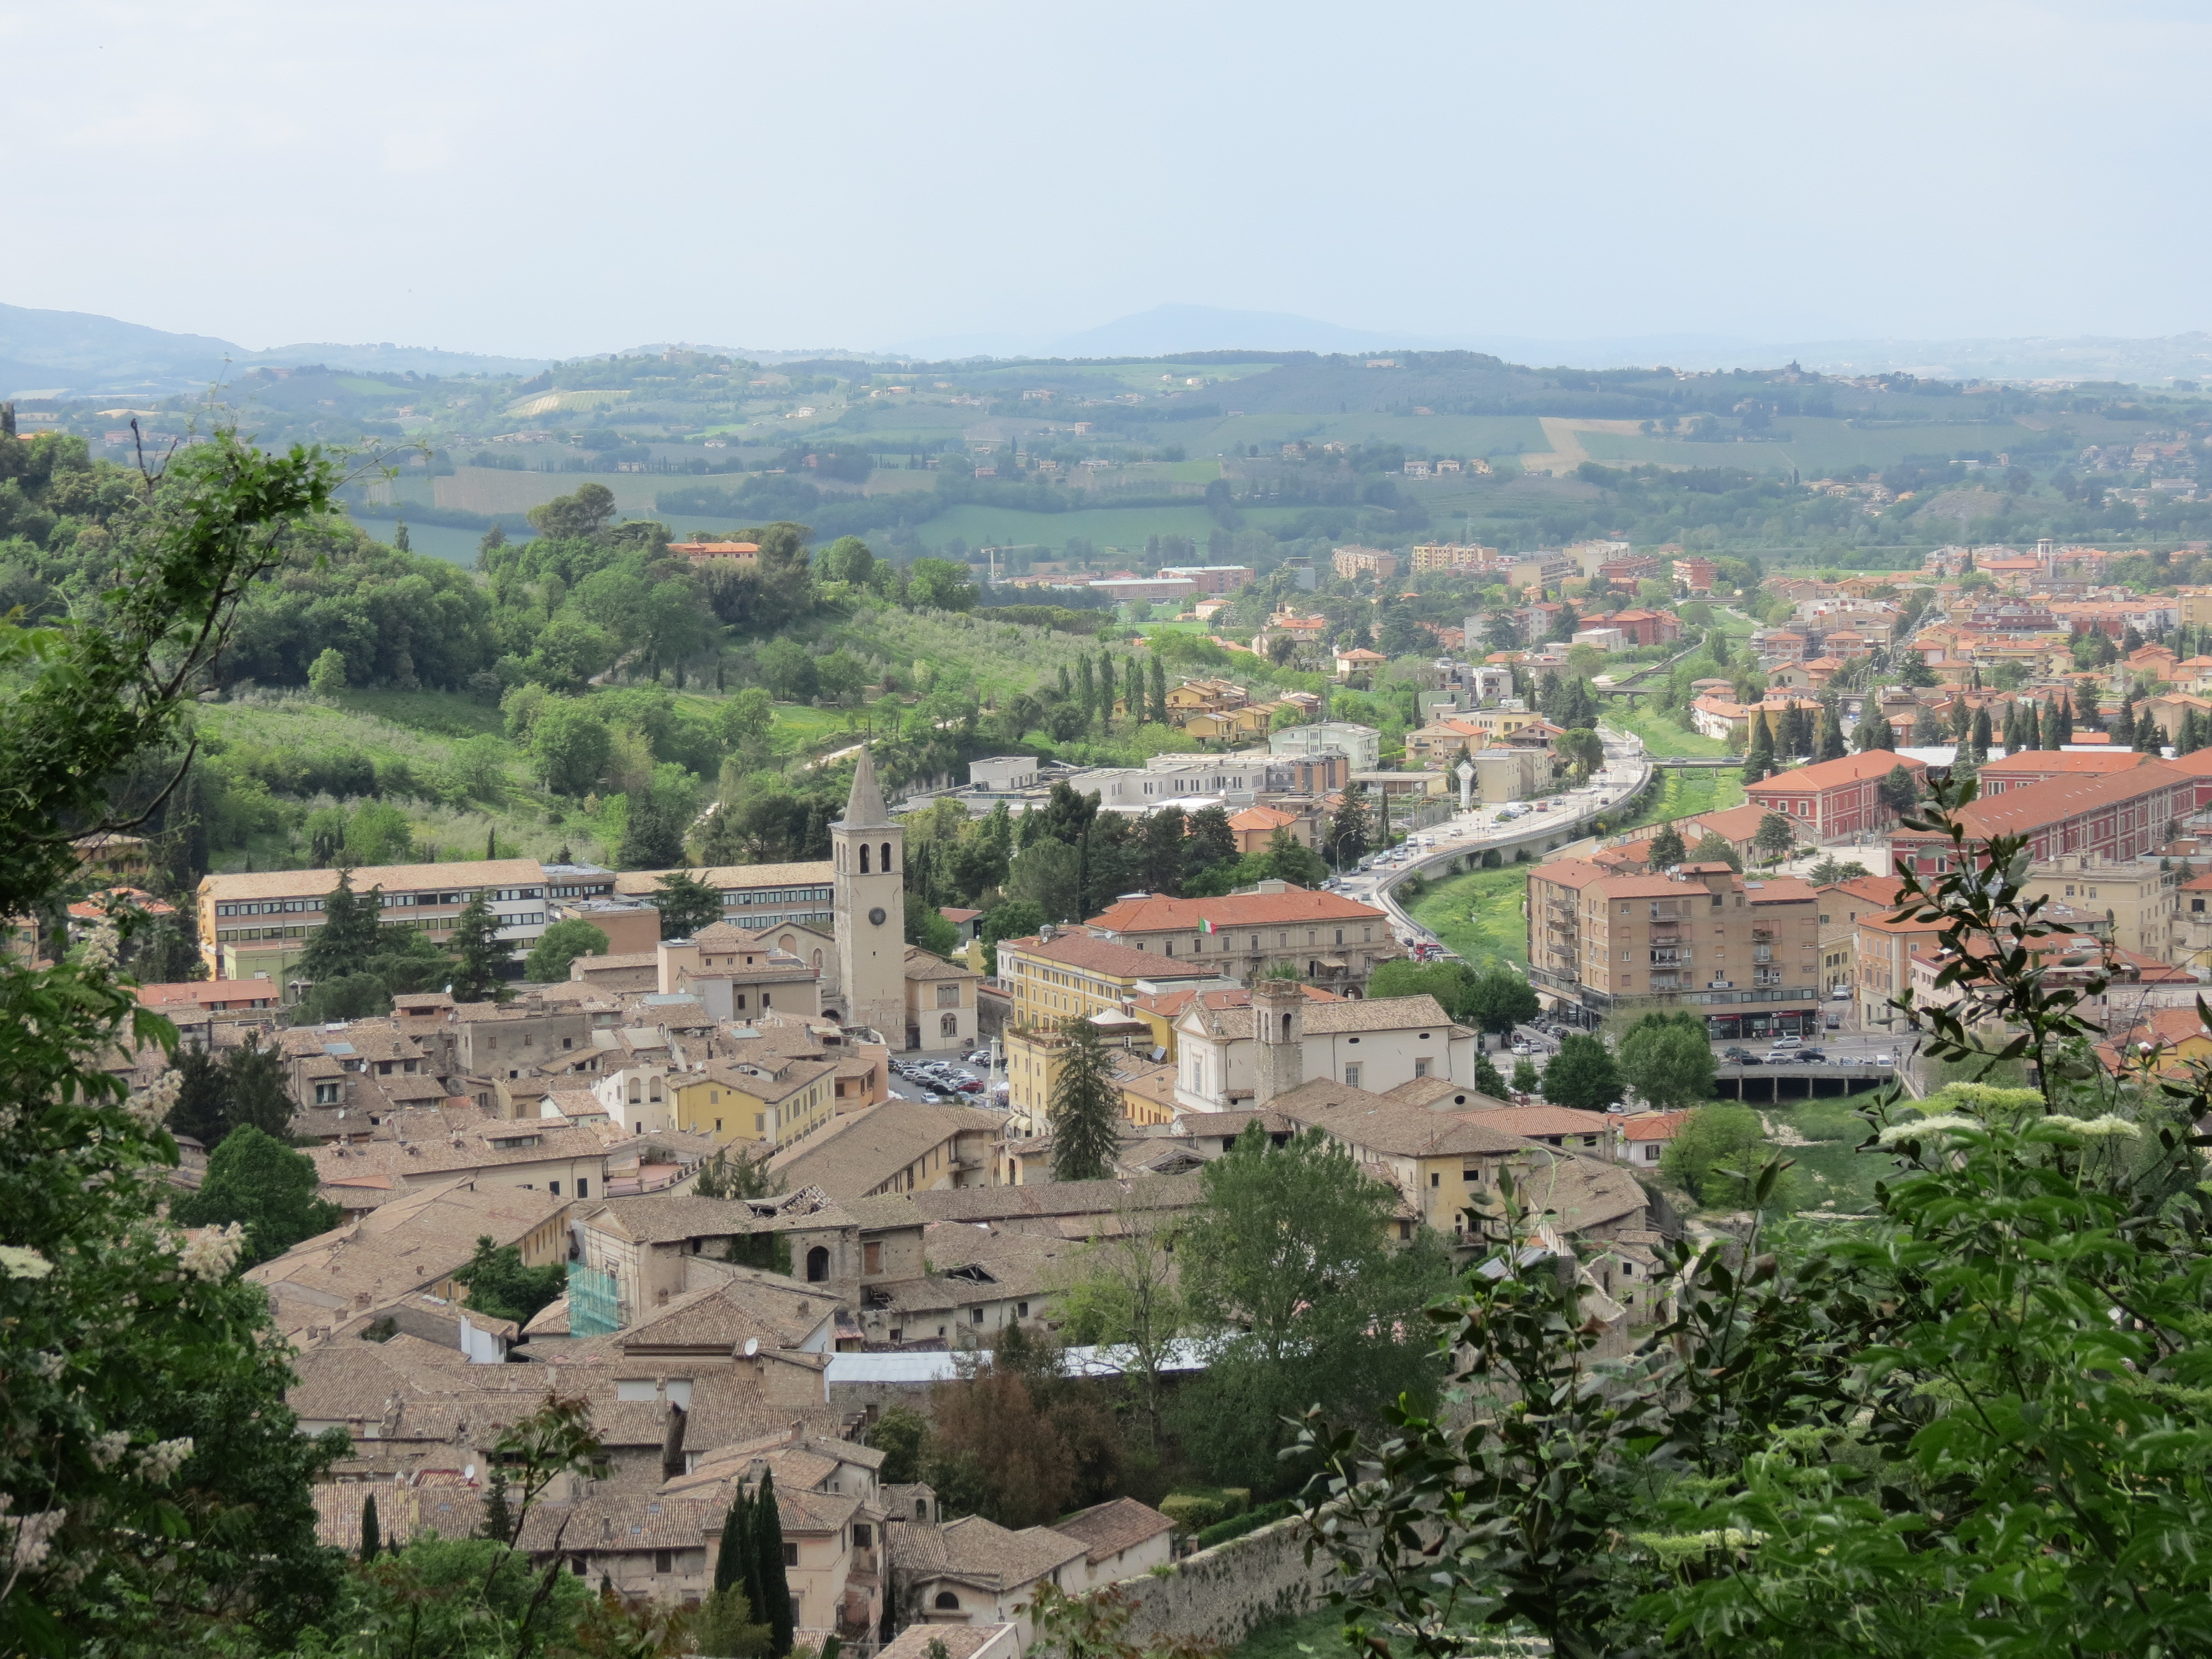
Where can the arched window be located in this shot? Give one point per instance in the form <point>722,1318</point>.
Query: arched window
<point>887,858</point>
<point>818,962</point>
<point>948,1025</point>
<point>818,1265</point>
<point>1286,1028</point>
<point>864,857</point>
<point>947,1601</point>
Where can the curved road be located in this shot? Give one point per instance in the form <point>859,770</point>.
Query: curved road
<point>1627,769</point>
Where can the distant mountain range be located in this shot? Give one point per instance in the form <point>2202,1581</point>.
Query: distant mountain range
<point>77,354</point>
<point>74,354</point>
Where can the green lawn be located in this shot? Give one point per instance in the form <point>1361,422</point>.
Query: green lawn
<point>1478,914</point>
<point>1831,1166</point>
<point>439,713</point>
<point>1660,734</point>
<point>1301,1636</point>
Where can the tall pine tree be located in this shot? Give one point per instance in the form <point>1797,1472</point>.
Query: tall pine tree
<point>1085,1107</point>
<point>478,955</point>
<point>1159,693</point>
<point>347,936</point>
<point>371,1538</point>
<point>2058,730</point>
<point>2123,723</point>
<point>1980,740</point>
<point>1106,689</point>
<point>774,1607</point>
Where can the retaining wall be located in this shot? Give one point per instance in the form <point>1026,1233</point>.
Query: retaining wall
<point>1223,1594</point>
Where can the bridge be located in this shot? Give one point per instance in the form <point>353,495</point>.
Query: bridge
<point>1809,1081</point>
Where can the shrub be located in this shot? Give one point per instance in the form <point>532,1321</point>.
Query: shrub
<point>1238,1525</point>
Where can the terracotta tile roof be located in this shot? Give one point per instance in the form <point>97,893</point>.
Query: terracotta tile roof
<point>927,964</point>
<point>1262,817</point>
<point>777,1311</point>
<point>1411,1013</point>
<point>1878,889</point>
<point>1571,872</point>
<point>1387,1126</point>
<point>1171,1005</point>
<point>1106,957</point>
<point>667,1218</point>
<point>1441,1094</point>
<point>2042,763</point>
<point>1733,823</point>
<point>1779,889</point>
<point>1827,775</point>
<point>404,1512</point>
<point>1053,1199</point>
<point>1534,1123</point>
<point>1153,915</point>
<point>2039,805</point>
<point>1653,1126</point>
<point>959,1641</point>
<point>1119,1524</point>
<point>820,873</point>
<point>862,1150</point>
<point>987,1554</point>
<point>210,992</point>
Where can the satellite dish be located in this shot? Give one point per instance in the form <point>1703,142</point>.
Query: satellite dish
<point>470,1473</point>
<point>752,1347</point>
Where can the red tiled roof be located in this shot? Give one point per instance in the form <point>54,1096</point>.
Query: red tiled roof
<point>1571,872</point>
<point>2020,810</point>
<point>2063,760</point>
<point>1879,890</point>
<point>1732,822</point>
<point>1653,1126</point>
<point>1827,775</point>
<point>1103,956</point>
<point>1779,889</point>
<point>1153,915</point>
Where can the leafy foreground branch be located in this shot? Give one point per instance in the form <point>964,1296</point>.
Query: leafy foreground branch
<point>1976,1423</point>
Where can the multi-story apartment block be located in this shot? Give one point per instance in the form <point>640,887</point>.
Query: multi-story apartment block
<point>1842,904</point>
<point>1352,562</point>
<point>260,923</point>
<point>1452,555</point>
<point>2141,902</point>
<point>1746,954</point>
<point>1362,745</point>
<point>1212,578</point>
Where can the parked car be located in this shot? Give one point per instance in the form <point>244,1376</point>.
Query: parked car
<point>1522,1048</point>
<point>1881,1059</point>
<point>1739,1056</point>
<point>1786,1043</point>
<point>1810,1055</point>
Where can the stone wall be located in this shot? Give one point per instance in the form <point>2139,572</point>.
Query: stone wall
<point>1224,1593</point>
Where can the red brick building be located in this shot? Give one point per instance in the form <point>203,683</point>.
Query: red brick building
<point>2000,777</point>
<point>1835,798</point>
<point>2118,816</point>
<point>1644,626</point>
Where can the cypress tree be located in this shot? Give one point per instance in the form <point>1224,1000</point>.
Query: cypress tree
<point>372,1541</point>
<point>2058,727</point>
<point>1759,753</point>
<point>2123,723</point>
<point>1980,741</point>
<point>1160,692</point>
<point>1106,689</point>
<point>1832,746</point>
<point>736,1553</point>
<point>774,1586</point>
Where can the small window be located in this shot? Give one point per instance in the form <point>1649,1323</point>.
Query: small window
<point>664,1560</point>
<point>946,1600</point>
<point>975,1316</point>
<point>1435,1179</point>
<point>554,1187</point>
<point>1351,1077</point>
<point>790,1554</point>
<point>583,1187</point>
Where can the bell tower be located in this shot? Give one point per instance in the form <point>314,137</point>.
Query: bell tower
<point>867,852</point>
<point>1279,1023</point>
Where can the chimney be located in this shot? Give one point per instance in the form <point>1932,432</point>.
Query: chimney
<point>1279,1060</point>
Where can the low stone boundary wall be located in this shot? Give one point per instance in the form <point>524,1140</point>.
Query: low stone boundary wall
<point>1223,1594</point>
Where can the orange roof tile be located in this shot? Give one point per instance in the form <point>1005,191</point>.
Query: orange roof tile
<point>1827,775</point>
<point>2063,760</point>
<point>1152,915</point>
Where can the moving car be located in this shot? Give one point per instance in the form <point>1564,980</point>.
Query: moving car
<point>1739,1056</point>
<point>1786,1043</point>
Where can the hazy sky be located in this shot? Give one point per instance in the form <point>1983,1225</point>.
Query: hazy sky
<point>556,177</point>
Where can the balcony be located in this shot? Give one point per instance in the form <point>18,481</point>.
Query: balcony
<point>1762,953</point>
<point>1669,956</point>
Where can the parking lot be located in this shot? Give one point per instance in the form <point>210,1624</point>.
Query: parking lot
<point>964,1077</point>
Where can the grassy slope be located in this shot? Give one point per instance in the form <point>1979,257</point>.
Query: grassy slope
<point>1478,914</point>
<point>1816,446</point>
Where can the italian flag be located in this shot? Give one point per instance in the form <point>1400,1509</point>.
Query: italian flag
<point>1205,925</point>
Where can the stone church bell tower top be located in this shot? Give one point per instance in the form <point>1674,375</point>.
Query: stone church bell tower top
<point>864,807</point>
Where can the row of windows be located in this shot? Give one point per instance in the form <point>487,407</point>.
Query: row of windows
<point>390,901</point>
<point>781,896</point>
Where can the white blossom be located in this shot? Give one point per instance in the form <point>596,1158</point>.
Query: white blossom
<point>108,1448</point>
<point>151,1104</point>
<point>2097,1128</point>
<point>209,1252</point>
<point>28,1537</point>
<point>164,1458</point>
<point>102,947</point>
<point>1924,1128</point>
<point>18,1261</point>
<point>48,1362</point>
